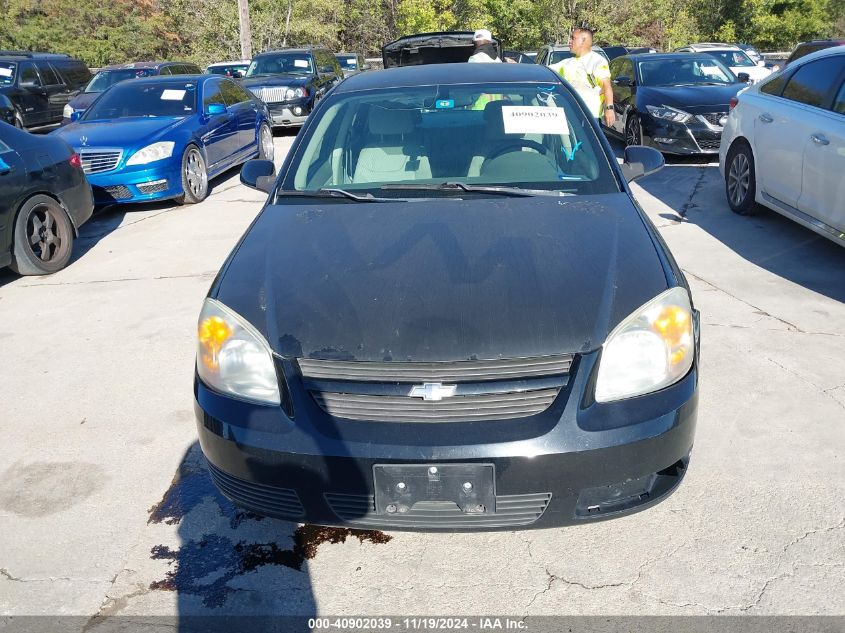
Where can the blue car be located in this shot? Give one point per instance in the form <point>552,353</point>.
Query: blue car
<point>161,138</point>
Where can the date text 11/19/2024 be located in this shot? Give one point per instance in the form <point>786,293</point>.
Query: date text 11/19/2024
<point>417,623</point>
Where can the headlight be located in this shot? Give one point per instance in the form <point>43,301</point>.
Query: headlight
<point>67,111</point>
<point>294,93</point>
<point>651,349</point>
<point>152,153</point>
<point>233,358</point>
<point>670,114</point>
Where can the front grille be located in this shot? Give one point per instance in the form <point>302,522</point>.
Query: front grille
<point>270,95</point>
<point>114,192</point>
<point>99,160</point>
<point>708,144</point>
<point>476,390</point>
<point>511,511</point>
<point>714,118</point>
<point>153,187</point>
<point>270,500</point>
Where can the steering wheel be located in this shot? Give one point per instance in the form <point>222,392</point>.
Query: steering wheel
<point>518,144</point>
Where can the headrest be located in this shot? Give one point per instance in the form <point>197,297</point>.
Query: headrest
<point>494,125</point>
<point>391,121</point>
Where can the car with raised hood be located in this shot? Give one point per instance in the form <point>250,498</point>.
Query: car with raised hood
<point>40,85</point>
<point>107,76</point>
<point>44,199</point>
<point>160,138</point>
<point>440,47</point>
<point>733,57</point>
<point>449,318</point>
<point>677,103</point>
<point>291,81</point>
<point>784,145</point>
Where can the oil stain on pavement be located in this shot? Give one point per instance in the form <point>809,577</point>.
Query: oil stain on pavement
<point>205,566</point>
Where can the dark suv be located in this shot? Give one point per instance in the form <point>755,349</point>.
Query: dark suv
<point>291,80</point>
<point>805,48</point>
<point>110,75</point>
<point>40,85</point>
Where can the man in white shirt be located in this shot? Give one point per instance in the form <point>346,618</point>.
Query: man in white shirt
<point>589,74</point>
<point>485,52</point>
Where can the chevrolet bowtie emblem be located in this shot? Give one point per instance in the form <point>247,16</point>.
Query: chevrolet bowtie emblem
<point>433,391</point>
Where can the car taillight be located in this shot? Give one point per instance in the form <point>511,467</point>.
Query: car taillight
<point>732,103</point>
<point>75,161</point>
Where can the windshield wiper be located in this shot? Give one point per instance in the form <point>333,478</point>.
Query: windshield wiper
<point>461,186</point>
<point>333,193</point>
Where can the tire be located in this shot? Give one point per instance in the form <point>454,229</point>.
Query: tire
<point>266,151</point>
<point>633,131</point>
<point>741,180</point>
<point>43,238</point>
<point>194,177</point>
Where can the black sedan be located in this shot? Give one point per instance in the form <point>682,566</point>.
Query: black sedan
<point>44,199</point>
<point>449,316</point>
<point>677,103</point>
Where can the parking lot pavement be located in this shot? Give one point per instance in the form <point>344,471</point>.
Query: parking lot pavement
<point>105,507</point>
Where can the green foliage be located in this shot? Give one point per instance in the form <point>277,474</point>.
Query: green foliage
<point>207,30</point>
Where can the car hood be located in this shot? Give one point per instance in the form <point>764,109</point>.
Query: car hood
<point>83,100</point>
<point>430,48</point>
<point>693,99</point>
<point>127,133</point>
<point>276,80</point>
<point>442,280</point>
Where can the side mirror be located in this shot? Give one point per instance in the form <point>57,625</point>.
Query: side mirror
<point>744,77</point>
<point>623,81</point>
<point>213,109</point>
<point>75,116</point>
<point>641,161</point>
<point>259,174</point>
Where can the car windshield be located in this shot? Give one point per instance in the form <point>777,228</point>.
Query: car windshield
<point>7,73</point>
<point>107,78</point>
<point>348,61</point>
<point>732,58</point>
<point>229,70</point>
<point>286,63</point>
<point>441,139</point>
<point>143,99</point>
<point>684,72</point>
<point>558,56</point>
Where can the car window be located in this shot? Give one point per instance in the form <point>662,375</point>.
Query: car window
<point>558,56</point>
<point>7,73</point>
<point>48,75</point>
<point>141,99</point>
<point>164,70</point>
<point>810,84</point>
<point>839,101</point>
<point>75,73</point>
<point>281,63</point>
<point>684,71</point>
<point>625,69</point>
<point>212,92</point>
<point>733,58</point>
<point>107,78</point>
<point>232,93</point>
<point>29,75</point>
<point>192,69</point>
<point>528,135</point>
<point>774,85</point>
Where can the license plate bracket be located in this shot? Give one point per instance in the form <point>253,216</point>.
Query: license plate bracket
<point>471,487</point>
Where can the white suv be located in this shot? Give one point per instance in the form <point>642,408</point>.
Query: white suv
<point>784,145</point>
<point>733,57</point>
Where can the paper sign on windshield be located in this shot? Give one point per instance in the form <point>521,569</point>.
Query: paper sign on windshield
<point>534,120</point>
<point>173,95</point>
<point>300,63</point>
<point>5,72</point>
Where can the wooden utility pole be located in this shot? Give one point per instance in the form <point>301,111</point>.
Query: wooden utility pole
<point>246,31</point>
<point>287,24</point>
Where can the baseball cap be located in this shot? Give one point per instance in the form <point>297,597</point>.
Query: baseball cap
<point>482,34</point>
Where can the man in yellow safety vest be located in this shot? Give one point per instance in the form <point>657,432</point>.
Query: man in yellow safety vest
<point>589,74</point>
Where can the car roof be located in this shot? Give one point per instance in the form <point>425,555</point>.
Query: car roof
<point>143,65</point>
<point>229,63</point>
<point>825,52</point>
<point>675,55</point>
<point>301,49</point>
<point>713,46</point>
<point>156,79</point>
<point>447,74</point>
<point>20,55</point>
<point>556,48</point>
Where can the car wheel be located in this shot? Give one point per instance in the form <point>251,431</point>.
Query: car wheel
<point>265,142</point>
<point>633,131</point>
<point>43,237</point>
<point>740,180</point>
<point>194,177</point>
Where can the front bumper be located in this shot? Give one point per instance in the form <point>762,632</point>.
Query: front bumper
<point>289,114</point>
<point>692,138</point>
<point>161,180</point>
<point>571,464</point>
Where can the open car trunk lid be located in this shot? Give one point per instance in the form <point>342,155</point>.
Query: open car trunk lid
<point>431,48</point>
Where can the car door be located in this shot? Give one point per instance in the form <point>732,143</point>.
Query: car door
<point>221,130</point>
<point>623,80</point>
<point>782,125</point>
<point>12,186</point>
<point>823,185</point>
<point>245,109</point>
<point>58,93</point>
<point>35,108</point>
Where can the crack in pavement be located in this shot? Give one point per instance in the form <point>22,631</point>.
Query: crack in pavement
<point>768,329</point>
<point>689,204</point>
<point>5,573</point>
<point>791,326</point>
<point>807,381</point>
<point>208,274</point>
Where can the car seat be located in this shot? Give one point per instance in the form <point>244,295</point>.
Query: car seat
<point>392,152</point>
